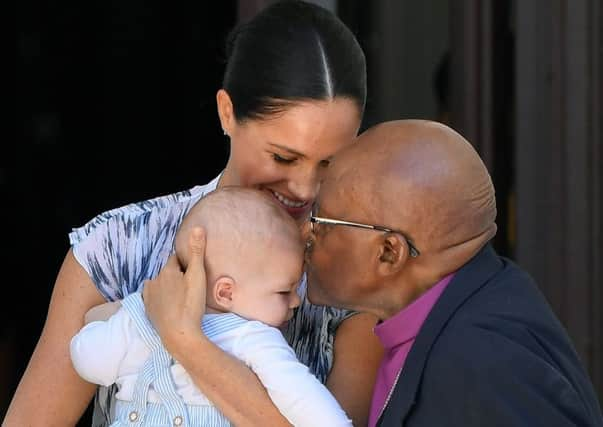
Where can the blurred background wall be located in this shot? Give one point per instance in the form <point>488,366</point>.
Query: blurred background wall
<point>115,102</point>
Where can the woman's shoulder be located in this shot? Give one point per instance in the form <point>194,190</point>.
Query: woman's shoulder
<point>162,206</point>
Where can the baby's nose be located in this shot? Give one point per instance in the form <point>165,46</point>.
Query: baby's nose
<point>295,300</point>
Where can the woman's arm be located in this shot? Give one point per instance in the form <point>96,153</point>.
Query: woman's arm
<point>228,383</point>
<point>175,303</point>
<point>357,357</point>
<point>51,393</point>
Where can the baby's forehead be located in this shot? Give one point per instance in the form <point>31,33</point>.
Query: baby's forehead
<point>281,256</point>
<point>240,215</point>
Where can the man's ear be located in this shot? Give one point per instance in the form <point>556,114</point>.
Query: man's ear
<point>223,292</point>
<point>225,111</point>
<point>393,254</point>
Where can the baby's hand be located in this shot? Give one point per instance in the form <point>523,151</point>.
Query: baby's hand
<point>101,312</point>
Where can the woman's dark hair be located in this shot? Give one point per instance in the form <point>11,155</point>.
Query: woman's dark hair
<point>292,51</point>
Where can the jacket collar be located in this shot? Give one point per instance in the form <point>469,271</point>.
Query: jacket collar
<point>469,279</point>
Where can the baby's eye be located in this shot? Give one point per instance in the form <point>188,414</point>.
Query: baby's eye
<point>280,159</point>
<point>284,292</point>
<point>325,163</point>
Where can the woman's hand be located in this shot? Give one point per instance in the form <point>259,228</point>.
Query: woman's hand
<point>175,301</point>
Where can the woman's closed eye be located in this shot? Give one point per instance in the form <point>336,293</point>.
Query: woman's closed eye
<point>284,160</point>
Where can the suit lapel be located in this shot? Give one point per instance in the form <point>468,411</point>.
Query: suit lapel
<point>466,281</point>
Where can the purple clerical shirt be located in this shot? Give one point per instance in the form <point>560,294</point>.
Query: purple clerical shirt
<point>397,334</point>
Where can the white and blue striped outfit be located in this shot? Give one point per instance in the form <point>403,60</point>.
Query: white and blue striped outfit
<point>155,391</point>
<point>123,247</point>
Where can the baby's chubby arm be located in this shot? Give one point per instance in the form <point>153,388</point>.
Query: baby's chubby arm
<point>298,394</point>
<point>101,311</point>
<point>98,349</point>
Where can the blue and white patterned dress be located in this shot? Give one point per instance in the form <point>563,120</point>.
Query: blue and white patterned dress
<point>123,247</point>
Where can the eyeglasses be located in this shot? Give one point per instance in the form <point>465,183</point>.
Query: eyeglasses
<point>414,252</point>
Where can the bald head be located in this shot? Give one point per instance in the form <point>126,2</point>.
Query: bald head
<point>239,223</point>
<point>424,178</point>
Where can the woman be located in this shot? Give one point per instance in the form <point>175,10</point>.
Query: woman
<point>293,94</point>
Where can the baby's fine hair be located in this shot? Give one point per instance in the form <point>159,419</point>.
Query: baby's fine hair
<point>240,218</point>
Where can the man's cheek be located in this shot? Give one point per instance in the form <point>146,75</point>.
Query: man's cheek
<point>308,250</point>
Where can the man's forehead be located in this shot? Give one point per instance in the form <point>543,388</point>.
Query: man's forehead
<point>337,194</point>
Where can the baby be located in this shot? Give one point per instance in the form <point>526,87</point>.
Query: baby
<point>253,261</point>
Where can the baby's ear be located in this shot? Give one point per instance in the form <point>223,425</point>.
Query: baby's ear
<point>223,292</point>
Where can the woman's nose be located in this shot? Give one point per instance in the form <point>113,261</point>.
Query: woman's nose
<point>305,185</point>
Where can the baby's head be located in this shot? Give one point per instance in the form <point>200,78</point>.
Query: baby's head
<point>253,256</point>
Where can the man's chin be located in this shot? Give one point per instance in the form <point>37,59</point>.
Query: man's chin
<point>316,294</point>
<point>316,297</point>
<point>312,292</point>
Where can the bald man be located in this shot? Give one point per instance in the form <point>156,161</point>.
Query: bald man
<point>401,230</point>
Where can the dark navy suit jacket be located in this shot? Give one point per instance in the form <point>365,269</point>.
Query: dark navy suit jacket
<point>492,353</point>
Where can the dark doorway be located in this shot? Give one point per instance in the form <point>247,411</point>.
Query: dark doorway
<point>115,104</point>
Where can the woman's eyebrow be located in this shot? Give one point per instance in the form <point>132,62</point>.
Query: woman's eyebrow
<point>290,150</point>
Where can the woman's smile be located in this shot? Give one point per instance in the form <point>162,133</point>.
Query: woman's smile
<point>295,208</point>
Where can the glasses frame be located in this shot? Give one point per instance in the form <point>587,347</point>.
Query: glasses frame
<point>413,251</point>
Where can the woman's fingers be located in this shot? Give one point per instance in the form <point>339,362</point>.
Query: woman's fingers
<point>173,263</point>
<point>170,274</point>
<point>194,276</point>
<point>195,271</point>
<point>175,301</point>
<point>164,294</point>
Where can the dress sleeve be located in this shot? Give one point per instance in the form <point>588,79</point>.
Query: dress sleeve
<point>298,394</point>
<point>121,248</point>
<point>99,348</point>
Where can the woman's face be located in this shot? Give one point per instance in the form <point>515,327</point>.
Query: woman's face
<point>287,155</point>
